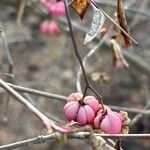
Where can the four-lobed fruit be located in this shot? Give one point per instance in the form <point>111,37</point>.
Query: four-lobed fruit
<point>81,110</point>
<point>49,27</point>
<point>87,110</point>
<point>110,122</point>
<point>55,9</point>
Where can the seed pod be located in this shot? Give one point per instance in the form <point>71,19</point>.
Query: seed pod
<point>110,123</point>
<point>81,110</point>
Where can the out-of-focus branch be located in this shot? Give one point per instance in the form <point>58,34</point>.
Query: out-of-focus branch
<point>46,121</point>
<point>20,11</point>
<point>38,92</point>
<point>88,55</point>
<point>78,135</point>
<point>63,98</point>
<point>76,50</point>
<point>10,67</point>
<point>6,49</point>
<point>131,9</point>
<point>147,105</point>
<point>15,3</point>
<point>134,61</point>
<point>137,62</point>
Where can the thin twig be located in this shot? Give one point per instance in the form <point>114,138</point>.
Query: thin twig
<point>10,68</point>
<point>131,9</point>
<point>78,135</point>
<point>99,143</point>
<point>20,12</point>
<point>63,98</point>
<point>46,121</point>
<point>38,92</point>
<point>6,48</point>
<point>137,17</point>
<point>131,110</point>
<point>114,22</point>
<point>88,55</point>
<point>133,60</point>
<point>88,85</point>
<point>75,43</point>
<point>147,106</point>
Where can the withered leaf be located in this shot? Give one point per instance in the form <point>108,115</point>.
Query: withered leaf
<point>80,6</point>
<point>96,25</point>
<point>103,77</point>
<point>118,59</point>
<point>125,122</point>
<point>123,23</point>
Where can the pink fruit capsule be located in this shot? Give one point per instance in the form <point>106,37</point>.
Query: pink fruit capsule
<point>106,109</point>
<point>44,26</point>
<point>81,110</point>
<point>53,27</point>
<point>57,9</point>
<point>71,111</point>
<point>111,123</point>
<point>74,96</point>
<point>92,102</point>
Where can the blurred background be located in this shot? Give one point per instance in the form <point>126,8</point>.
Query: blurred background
<point>35,57</point>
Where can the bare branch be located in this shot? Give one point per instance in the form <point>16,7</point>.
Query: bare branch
<point>10,67</point>
<point>6,49</point>
<point>88,85</point>
<point>63,98</point>
<point>135,61</point>
<point>88,55</point>
<point>115,23</point>
<point>20,12</point>
<point>38,92</point>
<point>131,9</point>
<point>78,135</point>
<point>47,122</point>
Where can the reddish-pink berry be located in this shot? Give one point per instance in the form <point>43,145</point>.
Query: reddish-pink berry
<point>110,123</point>
<point>57,9</point>
<point>61,8</point>
<point>53,27</point>
<point>44,26</point>
<point>49,27</point>
<point>81,110</point>
<point>92,102</point>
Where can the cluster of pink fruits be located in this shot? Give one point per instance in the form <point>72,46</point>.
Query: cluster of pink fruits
<point>88,111</point>
<point>49,27</point>
<point>55,10</point>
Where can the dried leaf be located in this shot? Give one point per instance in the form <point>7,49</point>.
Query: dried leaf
<point>103,31</point>
<point>95,76</point>
<point>123,23</point>
<point>118,59</point>
<point>80,6</point>
<point>125,122</point>
<point>98,143</point>
<point>102,76</point>
<point>96,25</point>
<point>127,34</point>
